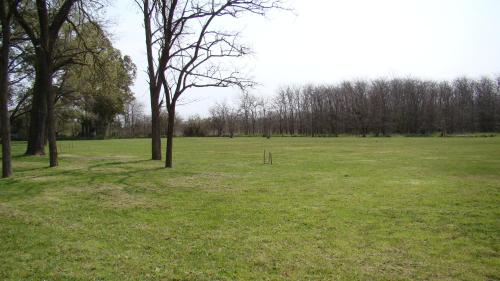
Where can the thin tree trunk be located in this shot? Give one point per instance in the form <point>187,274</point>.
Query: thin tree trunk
<point>155,130</point>
<point>4,115</point>
<point>170,135</point>
<point>4,96</point>
<point>51,127</point>
<point>154,86</point>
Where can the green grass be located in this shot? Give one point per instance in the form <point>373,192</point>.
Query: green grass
<point>327,209</point>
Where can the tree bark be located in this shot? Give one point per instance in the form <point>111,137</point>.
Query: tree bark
<point>43,36</point>
<point>170,135</point>
<point>155,130</point>
<point>154,85</point>
<point>4,93</point>
<point>45,112</point>
<point>51,127</point>
<point>38,117</point>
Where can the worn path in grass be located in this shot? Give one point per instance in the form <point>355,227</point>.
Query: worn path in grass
<point>328,208</point>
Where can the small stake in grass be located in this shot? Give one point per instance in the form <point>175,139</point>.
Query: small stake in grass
<point>269,159</point>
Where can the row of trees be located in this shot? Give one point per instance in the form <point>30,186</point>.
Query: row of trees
<point>58,68</point>
<point>379,107</point>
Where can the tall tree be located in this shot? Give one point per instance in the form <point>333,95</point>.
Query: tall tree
<point>153,26</point>
<point>5,20</point>
<point>42,28</point>
<point>191,48</point>
<point>218,116</point>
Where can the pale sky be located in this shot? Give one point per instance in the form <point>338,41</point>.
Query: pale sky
<point>327,41</point>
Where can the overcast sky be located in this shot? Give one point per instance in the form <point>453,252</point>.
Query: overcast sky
<point>326,41</point>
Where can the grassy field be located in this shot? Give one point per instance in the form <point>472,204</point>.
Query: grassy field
<point>327,209</point>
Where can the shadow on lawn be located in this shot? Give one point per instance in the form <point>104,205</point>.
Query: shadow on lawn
<point>130,174</point>
<point>117,163</point>
<point>16,188</point>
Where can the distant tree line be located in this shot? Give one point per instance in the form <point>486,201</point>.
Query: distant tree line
<point>380,107</point>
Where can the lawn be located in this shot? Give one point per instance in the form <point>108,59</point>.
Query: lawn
<point>327,209</point>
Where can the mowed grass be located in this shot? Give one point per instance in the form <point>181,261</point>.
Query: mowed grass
<point>327,209</point>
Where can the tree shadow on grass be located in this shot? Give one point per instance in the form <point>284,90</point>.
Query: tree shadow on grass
<point>128,171</point>
<point>31,181</point>
<point>17,188</point>
<point>134,176</point>
<point>23,156</point>
<point>117,163</point>
<point>22,169</point>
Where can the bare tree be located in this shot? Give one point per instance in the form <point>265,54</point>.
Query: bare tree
<point>156,30</point>
<point>232,119</point>
<point>194,48</point>
<point>464,94</point>
<point>245,104</point>
<point>279,106</point>
<point>486,101</point>
<point>291,95</point>
<point>264,115</point>
<point>219,115</point>
<point>133,113</point>
<point>190,51</point>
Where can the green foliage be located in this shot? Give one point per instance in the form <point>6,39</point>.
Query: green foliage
<point>100,82</point>
<point>327,209</point>
<point>92,79</point>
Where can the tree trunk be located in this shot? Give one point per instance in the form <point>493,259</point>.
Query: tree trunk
<point>36,137</point>
<point>4,97</point>
<point>4,115</point>
<point>42,123</point>
<point>155,130</point>
<point>51,126</point>
<point>170,135</point>
<point>43,36</point>
<point>154,86</point>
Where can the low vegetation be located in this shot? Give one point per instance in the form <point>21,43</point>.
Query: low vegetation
<point>328,208</point>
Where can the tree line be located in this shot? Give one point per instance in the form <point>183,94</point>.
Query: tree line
<point>379,107</point>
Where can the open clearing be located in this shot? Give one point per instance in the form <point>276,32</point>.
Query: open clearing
<point>328,208</point>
